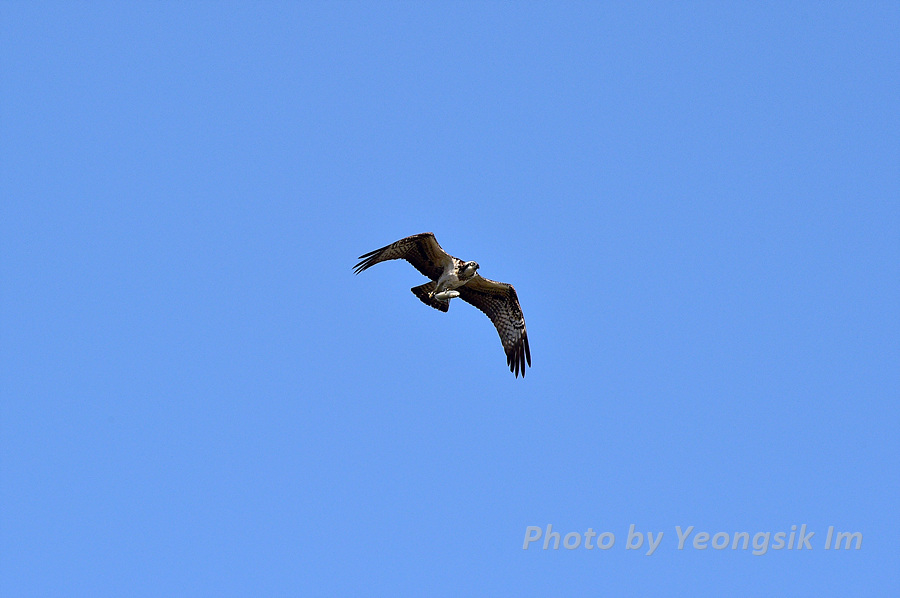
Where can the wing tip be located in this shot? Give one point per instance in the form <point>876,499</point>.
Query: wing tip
<point>518,356</point>
<point>527,347</point>
<point>367,260</point>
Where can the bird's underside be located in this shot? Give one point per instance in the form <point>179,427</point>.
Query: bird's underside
<point>452,278</point>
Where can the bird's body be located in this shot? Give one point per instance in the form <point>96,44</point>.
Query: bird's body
<point>455,275</point>
<point>451,278</point>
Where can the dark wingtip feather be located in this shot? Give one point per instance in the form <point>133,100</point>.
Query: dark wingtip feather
<point>517,356</point>
<point>367,261</point>
<point>515,359</point>
<point>521,360</point>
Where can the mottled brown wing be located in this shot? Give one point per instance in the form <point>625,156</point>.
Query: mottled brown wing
<point>422,251</point>
<point>501,304</point>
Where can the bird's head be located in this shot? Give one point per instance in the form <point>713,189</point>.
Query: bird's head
<point>469,269</point>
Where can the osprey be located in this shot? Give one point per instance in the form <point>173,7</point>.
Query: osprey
<point>452,277</point>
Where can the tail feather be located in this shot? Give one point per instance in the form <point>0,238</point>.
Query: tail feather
<point>423,292</point>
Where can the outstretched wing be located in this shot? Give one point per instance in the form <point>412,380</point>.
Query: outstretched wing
<point>499,301</point>
<point>422,251</point>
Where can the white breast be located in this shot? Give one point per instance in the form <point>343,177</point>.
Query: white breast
<point>449,280</point>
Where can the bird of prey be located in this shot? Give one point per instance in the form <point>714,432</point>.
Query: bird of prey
<point>452,277</point>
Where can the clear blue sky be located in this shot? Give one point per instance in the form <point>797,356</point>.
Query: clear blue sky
<point>697,203</point>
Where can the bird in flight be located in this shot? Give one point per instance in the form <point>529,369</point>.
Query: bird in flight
<point>452,277</point>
